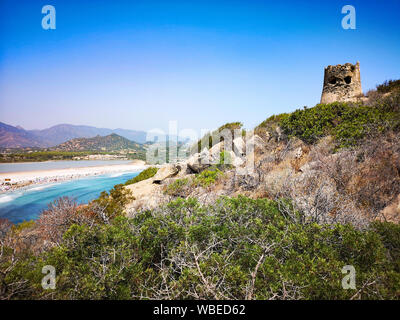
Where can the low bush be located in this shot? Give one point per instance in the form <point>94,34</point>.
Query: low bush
<point>237,248</point>
<point>178,187</point>
<point>225,159</point>
<point>144,175</point>
<point>24,225</point>
<point>112,204</point>
<point>212,138</point>
<point>183,187</point>
<point>207,177</point>
<point>388,86</point>
<point>347,123</point>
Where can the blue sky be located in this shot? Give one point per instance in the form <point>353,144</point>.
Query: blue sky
<point>139,64</point>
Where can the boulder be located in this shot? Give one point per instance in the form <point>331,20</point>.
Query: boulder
<point>199,161</point>
<point>235,160</point>
<point>392,212</point>
<point>256,142</point>
<point>165,172</point>
<point>183,169</point>
<point>279,133</point>
<point>215,152</point>
<point>239,147</point>
<point>250,159</point>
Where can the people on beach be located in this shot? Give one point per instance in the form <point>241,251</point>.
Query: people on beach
<point>11,186</point>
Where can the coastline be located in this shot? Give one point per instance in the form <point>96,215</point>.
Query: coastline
<point>26,178</point>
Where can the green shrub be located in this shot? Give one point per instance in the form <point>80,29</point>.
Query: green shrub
<point>388,86</point>
<point>273,121</point>
<point>225,160</point>
<point>390,236</point>
<point>113,203</point>
<point>145,174</point>
<point>27,224</point>
<point>177,187</point>
<point>212,138</point>
<point>240,247</point>
<point>207,177</point>
<point>347,123</point>
<point>182,187</point>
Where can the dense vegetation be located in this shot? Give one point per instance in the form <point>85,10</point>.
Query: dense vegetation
<point>291,242</point>
<point>137,155</point>
<point>143,175</point>
<point>347,123</point>
<point>44,156</point>
<point>212,138</point>
<point>237,248</point>
<point>182,187</point>
<point>38,156</point>
<point>388,86</point>
<point>112,204</point>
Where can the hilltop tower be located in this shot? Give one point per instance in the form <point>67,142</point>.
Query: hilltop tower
<point>342,83</point>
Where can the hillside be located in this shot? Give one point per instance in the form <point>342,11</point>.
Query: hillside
<point>279,216</point>
<point>112,142</point>
<point>17,137</point>
<point>63,132</point>
<point>335,163</point>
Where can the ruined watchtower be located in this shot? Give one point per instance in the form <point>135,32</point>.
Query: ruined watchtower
<point>342,83</point>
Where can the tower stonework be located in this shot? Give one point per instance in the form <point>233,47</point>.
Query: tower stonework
<point>342,83</point>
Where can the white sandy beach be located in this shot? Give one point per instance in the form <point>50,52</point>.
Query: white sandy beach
<point>20,179</point>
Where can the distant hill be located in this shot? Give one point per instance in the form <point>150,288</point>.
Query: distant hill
<point>64,132</point>
<point>112,142</point>
<point>17,137</point>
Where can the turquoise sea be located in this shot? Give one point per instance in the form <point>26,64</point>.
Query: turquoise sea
<point>27,204</point>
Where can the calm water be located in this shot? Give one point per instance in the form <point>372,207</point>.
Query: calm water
<point>47,165</point>
<point>27,204</point>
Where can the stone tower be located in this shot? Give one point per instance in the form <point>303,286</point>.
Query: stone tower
<point>342,83</point>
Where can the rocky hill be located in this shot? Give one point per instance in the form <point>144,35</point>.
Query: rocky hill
<point>112,142</point>
<point>276,213</point>
<point>17,137</point>
<point>336,162</point>
<point>63,132</point>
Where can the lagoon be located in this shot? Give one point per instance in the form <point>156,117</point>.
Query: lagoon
<point>59,164</point>
<point>28,203</point>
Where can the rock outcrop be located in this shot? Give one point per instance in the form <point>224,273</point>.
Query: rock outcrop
<point>165,172</point>
<point>149,193</point>
<point>322,183</point>
<point>199,161</point>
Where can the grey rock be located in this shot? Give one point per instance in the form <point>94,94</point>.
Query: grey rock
<point>165,172</point>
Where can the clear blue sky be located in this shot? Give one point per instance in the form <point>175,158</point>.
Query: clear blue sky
<point>138,64</point>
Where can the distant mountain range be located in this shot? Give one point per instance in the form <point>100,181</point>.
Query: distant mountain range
<point>17,137</point>
<point>112,142</point>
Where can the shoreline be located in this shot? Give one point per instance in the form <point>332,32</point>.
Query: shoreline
<point>23,179</point>
<point>61,160</point>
